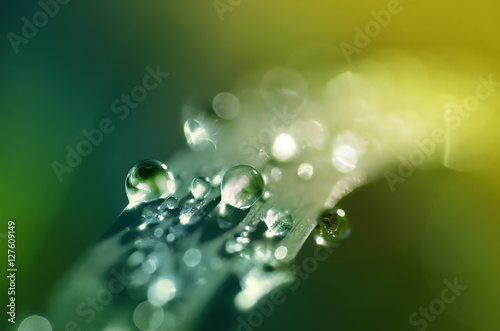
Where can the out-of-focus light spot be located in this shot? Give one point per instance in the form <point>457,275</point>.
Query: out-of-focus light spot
<point>341,212</point>
<point>347,149</point>
<point>305,171</point>
<point>147,317</point>
<point>281,252</point>
<point>284,147</point>
<point>192,257</point>
<point>35,323</point>
<point>161,292</point>
<point>226,105</point>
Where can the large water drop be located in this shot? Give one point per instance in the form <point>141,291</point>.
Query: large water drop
<point>148,180</point>
<point>333,227</point>
<point>242,186</point>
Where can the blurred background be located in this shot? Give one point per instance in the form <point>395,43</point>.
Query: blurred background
<point>440,224</point>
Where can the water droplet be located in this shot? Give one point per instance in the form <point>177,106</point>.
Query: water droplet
<point>170,203</point>
<point>305,171</point>
<point>192,257</point>
<point>200,187</point>
<point>333,227</point>
<point>242,186</point>
<point>161,292</point>
<point>197,135</point>
<point>284,147</point>
<point>147,317</point>
<point>35,322</point>
<point>279,222</point>
<point>148,180</point>
<point>226,105</point>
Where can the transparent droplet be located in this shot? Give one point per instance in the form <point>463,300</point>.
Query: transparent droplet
<point>147,317</point>
<point>170,203</point>
<point>197,135</point>
<point>305,171</point>
<point>148,180</point>
<point>279,222</point>
<point>333,227</point>
<point>242,186</point>
<point>192,257</point>
<point>162,291</point>
<point>284,147</point>
<point>200,187</point>
<point>35,323</point>
<point>226,105</point>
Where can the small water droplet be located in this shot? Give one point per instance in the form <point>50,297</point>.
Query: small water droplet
<point>305,171</point>
<point>242,186</point>
<point>200,187</point>
<point>279,222</point>
<point>333,227</point>
<point>147,317</point>
<point>226,105</point>
<point>192,257</point>
<point>170,203</point>
<point>284,147</point>
<point>148,180</point>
